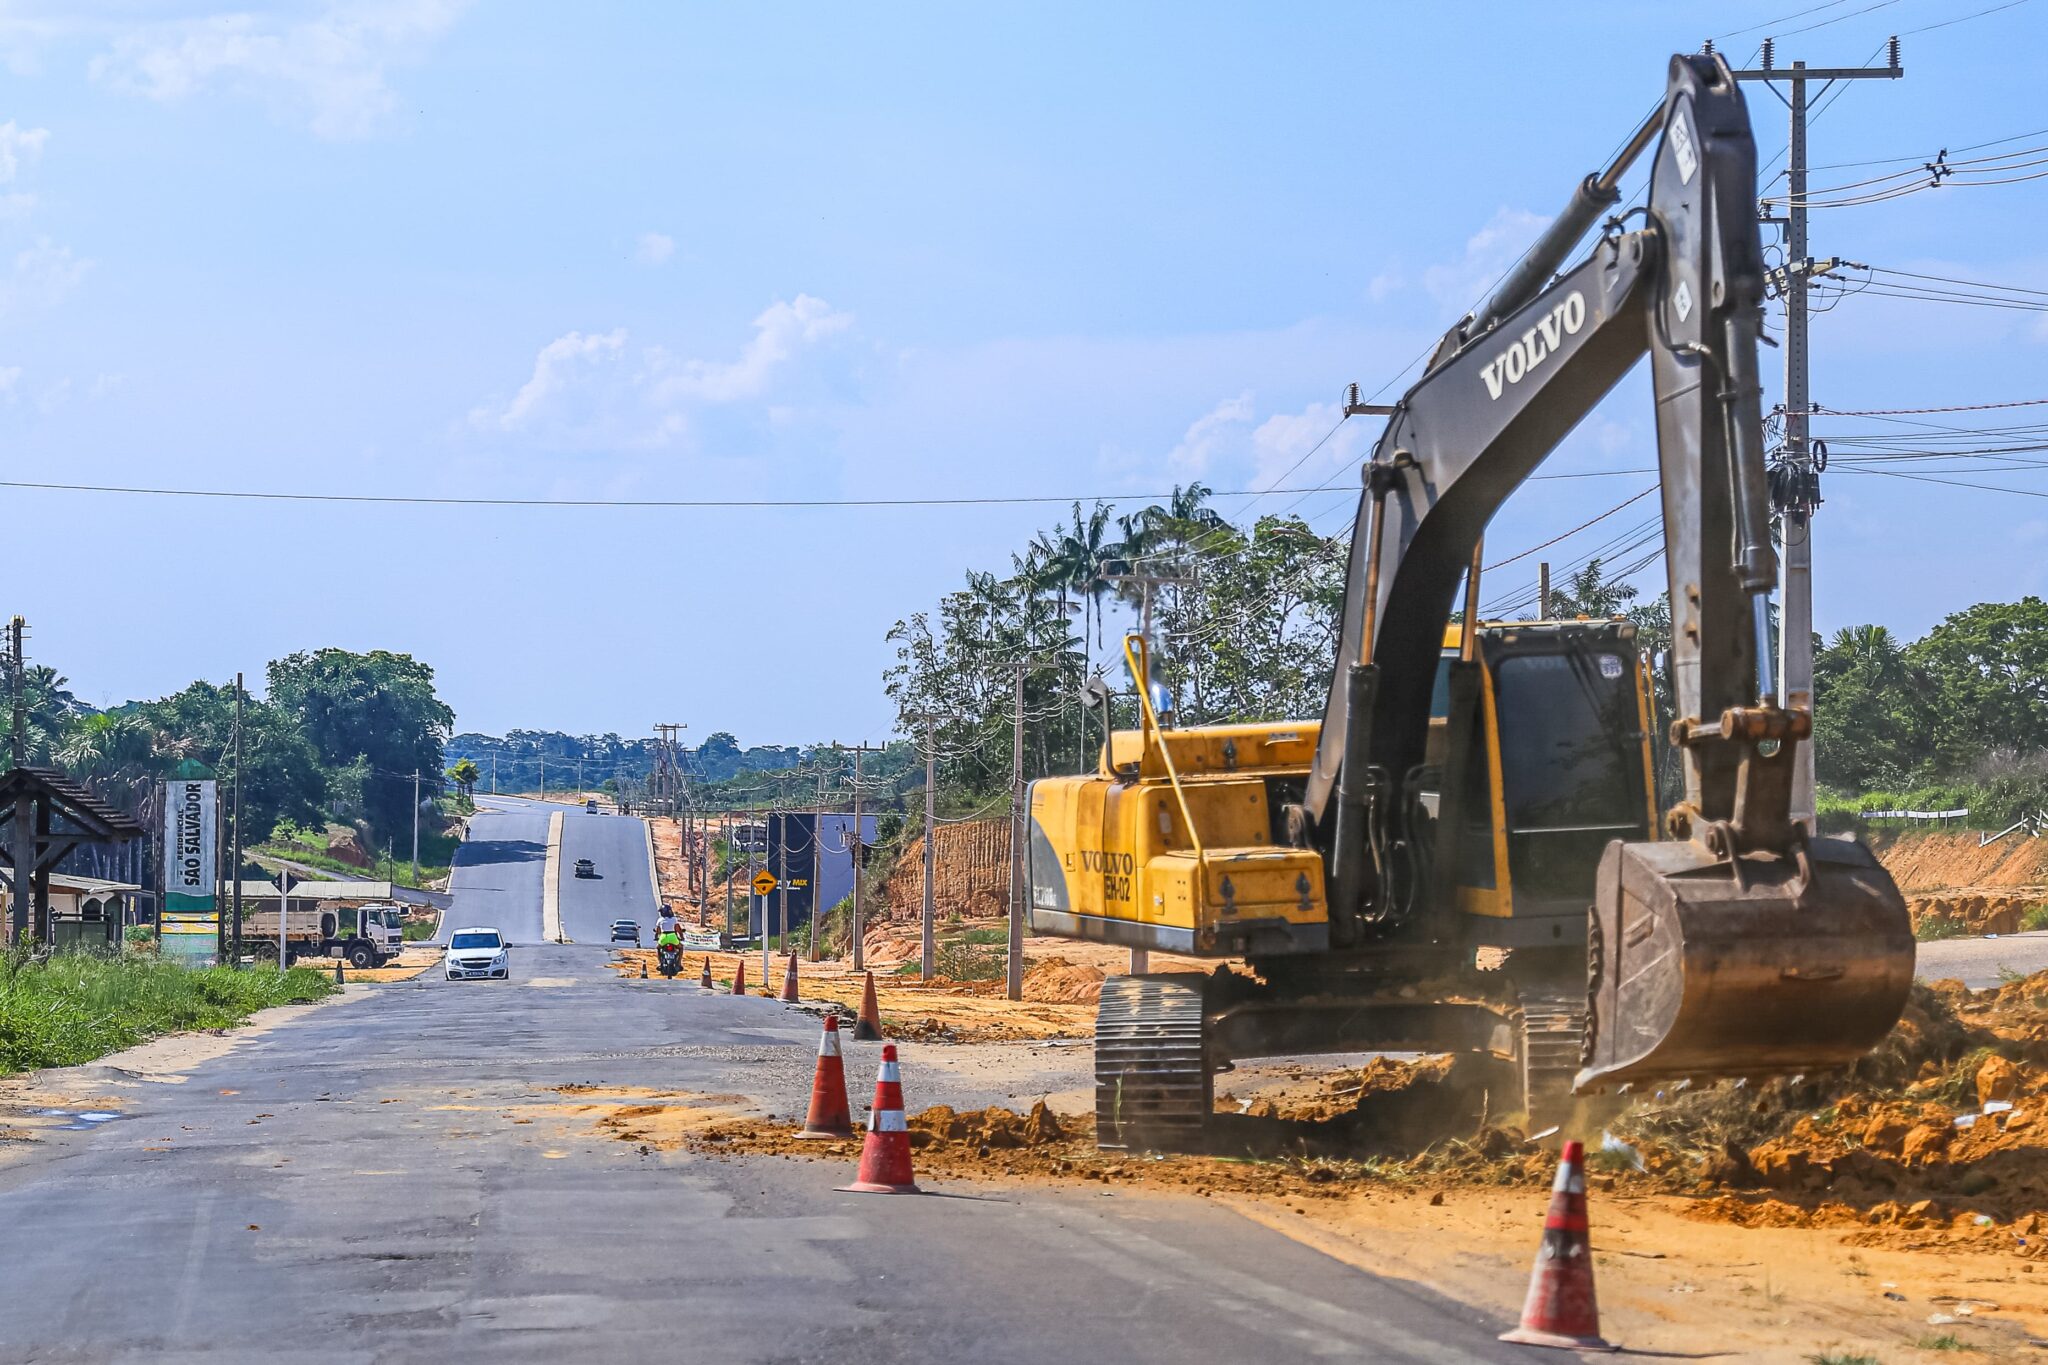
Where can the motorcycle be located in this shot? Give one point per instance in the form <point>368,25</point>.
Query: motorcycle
<point>669,959</point>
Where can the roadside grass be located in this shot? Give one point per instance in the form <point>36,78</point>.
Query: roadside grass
<point>1932,929</point>
<point>1842,1358</point>
<point>73,1008</point>
<point>309,847</point>
<point>1946,1341</point>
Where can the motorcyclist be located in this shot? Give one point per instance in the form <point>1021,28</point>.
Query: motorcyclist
<point>668,939</point>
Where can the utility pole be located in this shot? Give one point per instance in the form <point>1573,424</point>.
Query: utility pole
<point>543,774</point>
<point>235,818</point>
<point>24,830</point>
<point>1795,485</point>
<point>928,962</point>
<point>1013,967</point>
<point>1542,593</point>
<point>284,890</point>
<point>857,847</point>
<point>415,826</point>
<point>817,863</point>
<point>494,778</point>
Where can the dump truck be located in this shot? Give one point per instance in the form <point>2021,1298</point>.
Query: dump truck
<point>1466,853</point>
<point>365,936</point>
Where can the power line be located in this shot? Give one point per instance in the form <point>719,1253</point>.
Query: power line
<point>652,504</point>
<point>1964,19</point>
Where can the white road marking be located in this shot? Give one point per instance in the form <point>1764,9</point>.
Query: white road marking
<point>551,884</point>
<point>653,876</point>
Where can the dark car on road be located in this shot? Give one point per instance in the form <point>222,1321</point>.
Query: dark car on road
<point>585,868</point>
<point>626,931</point>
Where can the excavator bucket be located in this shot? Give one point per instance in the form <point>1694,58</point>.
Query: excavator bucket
<point>1767,964</point>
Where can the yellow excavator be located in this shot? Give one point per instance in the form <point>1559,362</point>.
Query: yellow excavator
<point>1465,855</point>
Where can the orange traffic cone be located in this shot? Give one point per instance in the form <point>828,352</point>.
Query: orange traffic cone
<point>704,981</point>
<point>885,1155</point>
<point>1561,1309</point>
<point>789,982</point>
<point>830,1116</point>
<point>739,978</point>
<point>868,1028</point>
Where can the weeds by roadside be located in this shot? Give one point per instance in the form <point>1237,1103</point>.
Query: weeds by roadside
<point>71,1009</point>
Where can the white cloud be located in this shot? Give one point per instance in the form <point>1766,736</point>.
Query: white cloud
<point>1286,438</point>
<point>329,67</point>
<point>591,388</point>
<point>1456,285</point>
<point>10,376</point>
<point>1209,435</point>
<point>654,248</point>
<point>561,364</point>
<point>42,275</point>
<point>19,145</point>
<point>778,332</point>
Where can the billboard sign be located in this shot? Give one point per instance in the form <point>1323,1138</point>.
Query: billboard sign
<point>191,915</point>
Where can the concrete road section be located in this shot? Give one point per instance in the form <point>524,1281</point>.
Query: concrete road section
<point>623,887</point>
<point>398,1177</point>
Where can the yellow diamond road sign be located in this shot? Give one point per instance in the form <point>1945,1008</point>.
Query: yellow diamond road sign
<point>764,883</point>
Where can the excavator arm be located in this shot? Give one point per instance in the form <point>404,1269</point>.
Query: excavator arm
<point>1739,946</point>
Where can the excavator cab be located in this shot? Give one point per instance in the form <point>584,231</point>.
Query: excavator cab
<point>1553,763</point>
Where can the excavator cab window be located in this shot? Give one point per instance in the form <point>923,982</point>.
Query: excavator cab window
<point>1572,767</point>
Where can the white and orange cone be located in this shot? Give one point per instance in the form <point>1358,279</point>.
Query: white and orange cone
<point>739,978</point>
<point>1561,1309</point>
<point>704,981</point>
<point>885,1155</point>
<point>789,982</point>
<point>830,1115</point>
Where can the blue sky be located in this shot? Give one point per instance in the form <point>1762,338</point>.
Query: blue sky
<point>426,248</point>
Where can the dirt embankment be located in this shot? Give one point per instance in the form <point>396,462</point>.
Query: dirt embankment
<point>1977,888</point>
<point>970,873</point>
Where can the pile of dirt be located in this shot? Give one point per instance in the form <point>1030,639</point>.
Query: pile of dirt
<point>1944,863</point>
<point>1979,914</point>
<point>1055,980</point>
<point>345,845</point>
<point>988,1129</point>
<point>1940,1133</point>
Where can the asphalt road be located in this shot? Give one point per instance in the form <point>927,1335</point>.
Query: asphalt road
<point>1982,962</point>
<point>496,878</point>
<point>358,1185</point>
<point>501,868</point>
<point>623,887</point>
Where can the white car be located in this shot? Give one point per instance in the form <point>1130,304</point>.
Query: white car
<point>478,952</point>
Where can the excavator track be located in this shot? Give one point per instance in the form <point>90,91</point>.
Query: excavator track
<point>1153,1086</point>
<point>1550,1033</point>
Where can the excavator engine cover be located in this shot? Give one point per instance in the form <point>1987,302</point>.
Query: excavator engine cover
<point>1767,964</point>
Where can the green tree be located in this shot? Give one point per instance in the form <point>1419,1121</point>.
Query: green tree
<point>1985,673</point>
<point>376,712</point>
<point>1263,628</point>
<point>282,775</point>
<point>1589,592</point>
<point>465,774</point>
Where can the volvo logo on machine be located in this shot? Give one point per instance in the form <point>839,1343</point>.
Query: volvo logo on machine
<point>1536,345</point>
